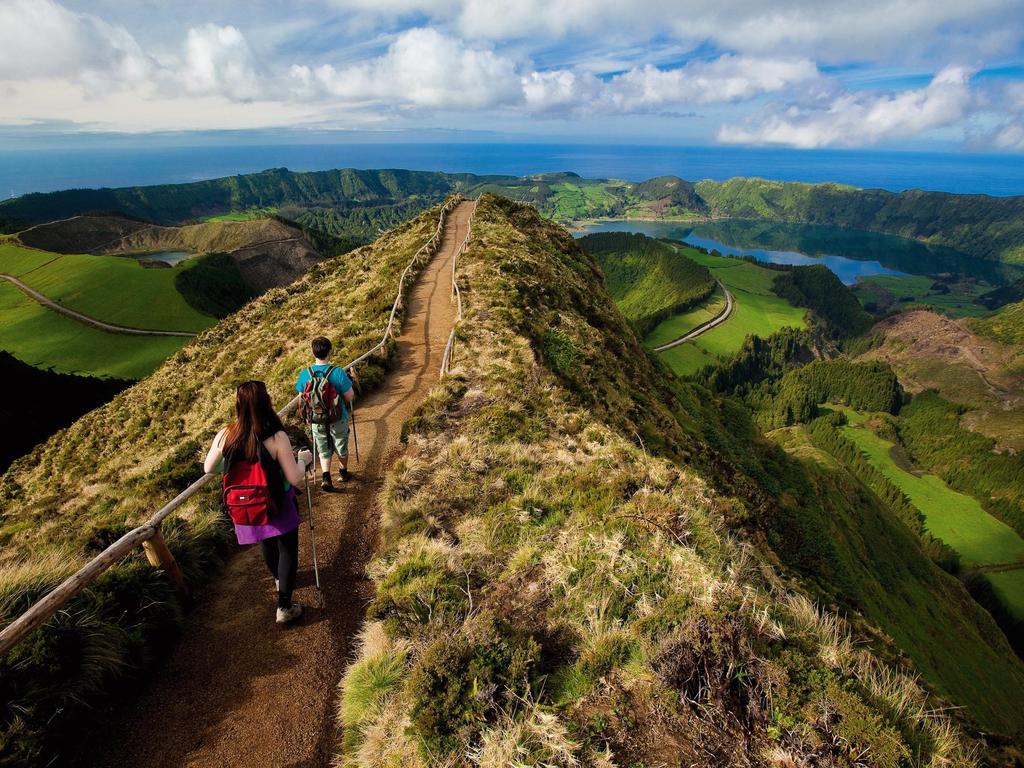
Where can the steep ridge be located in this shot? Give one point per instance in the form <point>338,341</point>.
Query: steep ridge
<point>561,582</point>
<point>268,701</point>
<point>86,486</point>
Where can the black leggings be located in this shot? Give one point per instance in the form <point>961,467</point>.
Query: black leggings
<point>281,553</point>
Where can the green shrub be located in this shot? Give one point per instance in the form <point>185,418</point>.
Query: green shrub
<point>461,683</point>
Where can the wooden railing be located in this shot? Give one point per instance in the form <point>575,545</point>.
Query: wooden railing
<point>449,348</point>
<point>148,534</point>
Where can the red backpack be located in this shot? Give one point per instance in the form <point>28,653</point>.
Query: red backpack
<point>321,403</point>
<point>251,489</point>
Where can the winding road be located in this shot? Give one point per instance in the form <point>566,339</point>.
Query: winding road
<point>51,304</point>
<point>240,691</point>
<point>720,318</point>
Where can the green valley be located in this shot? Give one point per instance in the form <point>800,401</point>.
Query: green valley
<point>955,518</point>
<point>110,288</point>
<point>45,339</point>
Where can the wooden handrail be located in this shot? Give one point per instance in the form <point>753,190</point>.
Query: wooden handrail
<point>449,348</point>
<point>50,603</point>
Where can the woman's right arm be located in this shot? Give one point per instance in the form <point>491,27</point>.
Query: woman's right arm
<point>294,473</point>
<point>215,454</point>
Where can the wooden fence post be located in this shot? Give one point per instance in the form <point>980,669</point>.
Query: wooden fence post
<point>160,556</point>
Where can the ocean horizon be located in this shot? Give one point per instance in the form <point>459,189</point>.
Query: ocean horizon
<point>23,171</point>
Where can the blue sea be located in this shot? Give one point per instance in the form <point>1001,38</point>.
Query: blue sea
<point>44,170</point>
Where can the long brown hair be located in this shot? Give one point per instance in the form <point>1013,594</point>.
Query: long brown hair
<point>254,416</point>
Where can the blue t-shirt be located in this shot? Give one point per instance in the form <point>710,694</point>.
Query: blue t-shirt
<point>342,383</point>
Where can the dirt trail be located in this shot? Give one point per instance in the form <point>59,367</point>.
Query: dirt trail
<point>51,304</point>
<point>239,690</point>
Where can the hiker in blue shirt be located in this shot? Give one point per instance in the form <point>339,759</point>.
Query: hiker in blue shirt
<point>330,438</point>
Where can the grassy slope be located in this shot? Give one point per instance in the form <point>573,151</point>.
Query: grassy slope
<point>956,518</point>
<point>1009,586</point>
<point>45,339</point>
<point>1006,325</point>
<point>681,324</point>
<point>548,589</point>
<point>117,290</point>
<point>119,463</point>
<point>277,187</point>
<point>953,642</point>
<point>648,279</point>
<point>757,311</point>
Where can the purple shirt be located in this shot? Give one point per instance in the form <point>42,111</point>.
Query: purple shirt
<point>287,520</point>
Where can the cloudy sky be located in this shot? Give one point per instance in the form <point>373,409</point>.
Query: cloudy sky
<point>795,73</point>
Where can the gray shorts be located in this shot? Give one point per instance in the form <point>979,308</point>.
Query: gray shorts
<point>332,438</point>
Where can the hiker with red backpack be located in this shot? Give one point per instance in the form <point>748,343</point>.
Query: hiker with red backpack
<point>260,475</point>
<point>326,399</point>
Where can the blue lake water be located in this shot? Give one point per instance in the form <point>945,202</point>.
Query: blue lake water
<point>850,254</point>
<point>846,269</point>
<point>167,257</point>
<point>125,163</point>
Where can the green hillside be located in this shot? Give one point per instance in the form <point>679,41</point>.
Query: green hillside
<point>1006,325</point>
<point>359,203</point>
<point>580,553</point>
<point>758,311</point>
<point>550,587</point>
<point>649,280</point>
<point>110,288</point>
<point>45,339</point>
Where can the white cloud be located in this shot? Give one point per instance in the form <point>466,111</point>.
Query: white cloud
<point>349,62</point>
<point>726,79</point>
<point>1010,137</point>
<point>39,38</point>
<point>217,60</point>
<point>828,30</point>
<point>651,89</point>
<point>855,119</point>
<point>421,68</point>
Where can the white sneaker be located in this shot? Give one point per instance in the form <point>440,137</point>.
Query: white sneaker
<point>286,615</point>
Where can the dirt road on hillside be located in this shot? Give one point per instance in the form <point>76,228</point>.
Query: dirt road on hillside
<point>49,303</point>
<point>717,320</point>
<point>239,690</point>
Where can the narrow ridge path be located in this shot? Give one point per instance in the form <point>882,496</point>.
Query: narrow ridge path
<point>49,303</point>
<point>240,691</point>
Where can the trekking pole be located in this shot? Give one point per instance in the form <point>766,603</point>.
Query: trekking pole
<point>309,518</point>
<point>355,435</point>
<point>352,411</point>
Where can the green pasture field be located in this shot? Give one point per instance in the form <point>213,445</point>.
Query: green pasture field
<point>756,312</point>
<point>955,518</point>
<point>110,288</point>
<point>1009,586</point>
<point>959,302</point>
<point>683,323</point>
<point>248,215</point>
<point>574,201</point>
<point>45,339</point>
